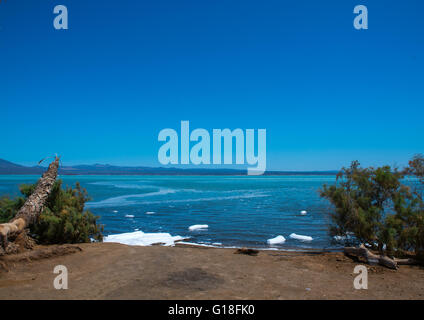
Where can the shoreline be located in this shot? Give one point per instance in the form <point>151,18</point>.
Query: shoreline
<point>270,248</point>
<point>117,271</point>
<point>169,241</point>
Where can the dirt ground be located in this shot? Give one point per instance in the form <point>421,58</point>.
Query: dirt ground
<point>115,271</point>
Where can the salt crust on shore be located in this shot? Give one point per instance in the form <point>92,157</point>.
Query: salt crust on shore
<point>139,238</point>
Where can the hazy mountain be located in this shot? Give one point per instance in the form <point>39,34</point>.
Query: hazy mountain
<point>7,167</point>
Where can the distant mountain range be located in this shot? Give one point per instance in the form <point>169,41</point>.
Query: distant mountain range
<point>7,167</point>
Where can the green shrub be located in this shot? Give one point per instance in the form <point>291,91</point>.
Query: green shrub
<point>9,207</point>
<point>377,208</point>
<point>63,219</point>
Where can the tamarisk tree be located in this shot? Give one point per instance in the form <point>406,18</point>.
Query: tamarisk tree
<point>377,209</point>
<point>30,210</point>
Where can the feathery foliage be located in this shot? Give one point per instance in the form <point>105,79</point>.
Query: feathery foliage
<point>63,219</point>
<point>376,206</point>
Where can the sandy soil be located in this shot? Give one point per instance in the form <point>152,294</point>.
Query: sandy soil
<point>115,271</point>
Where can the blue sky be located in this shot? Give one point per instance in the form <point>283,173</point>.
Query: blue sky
<point>102,90</point>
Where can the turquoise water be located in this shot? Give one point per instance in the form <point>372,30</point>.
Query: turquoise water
<point>239,211</point>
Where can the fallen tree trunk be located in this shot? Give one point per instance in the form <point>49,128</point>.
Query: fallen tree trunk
<point>407,261</point>
<point>370,258</point>
<point>31,209</point>
<point>367,256</point>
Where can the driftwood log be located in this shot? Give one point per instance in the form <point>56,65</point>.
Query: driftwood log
<point>31,209</point>
<point>364,254</point>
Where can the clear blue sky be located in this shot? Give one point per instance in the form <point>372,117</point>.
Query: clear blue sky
<point>102,90</point>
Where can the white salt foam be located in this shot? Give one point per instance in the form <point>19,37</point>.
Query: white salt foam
<point>300,237</point>
<point>198,227</point>
<point>277,240</point>
<point>139,238</point>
